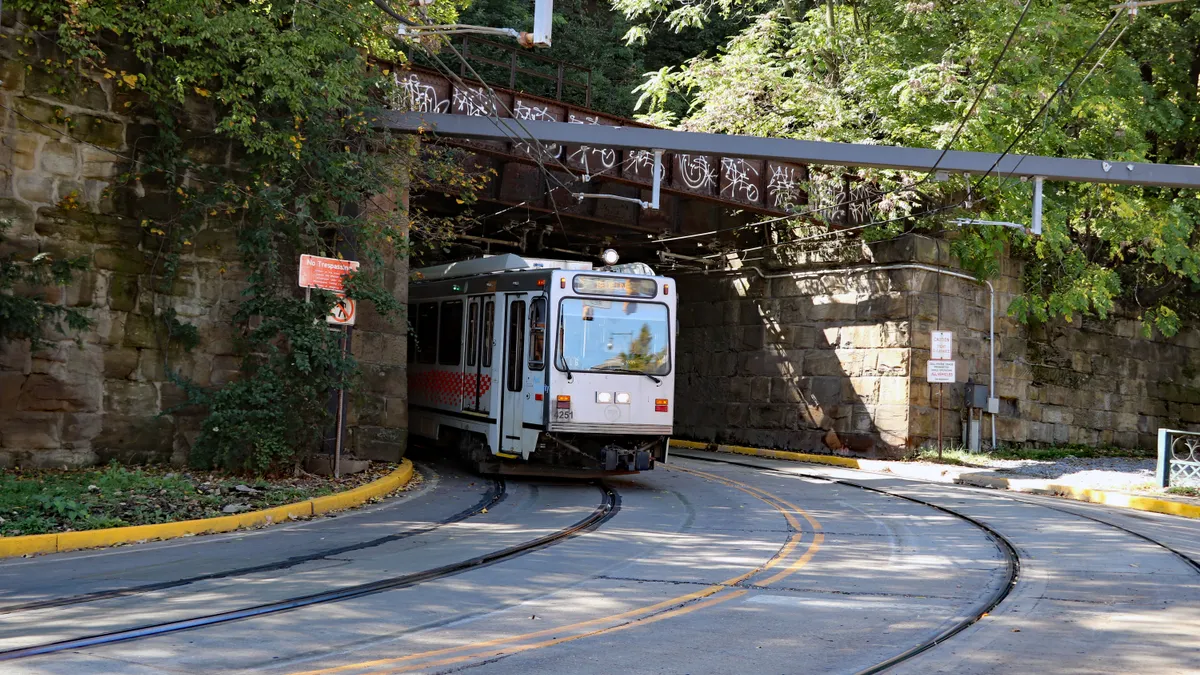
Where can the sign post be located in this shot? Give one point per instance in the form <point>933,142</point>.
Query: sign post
<point>940,369</point>
<point>329,274</point>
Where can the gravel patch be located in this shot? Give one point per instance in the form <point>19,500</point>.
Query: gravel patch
<point>1104,473</point>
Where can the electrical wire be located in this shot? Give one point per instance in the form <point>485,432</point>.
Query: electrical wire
<point>1075,92</point>
<point>494,119</point>
<point>1024,130</point>
<point>534,141</point>
<point>932,171</point>
<point>1045,106</point>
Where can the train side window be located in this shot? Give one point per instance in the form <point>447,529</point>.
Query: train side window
<point>450,333</point>
<point>489,327</point>
<point>516,346</point>
<point>537,334</point>
<point>472,333</point>
<point>427,332</point>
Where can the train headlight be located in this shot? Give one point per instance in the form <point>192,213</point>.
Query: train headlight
<point>610,257</point>
<point>623,397</point>
<point>603,397</point>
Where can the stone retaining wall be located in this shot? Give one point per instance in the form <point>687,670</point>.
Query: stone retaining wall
<point>104,398</point>
<point>836,362</point>
<point>794,363</point>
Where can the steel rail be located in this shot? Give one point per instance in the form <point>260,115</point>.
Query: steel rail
<point>1012,559</point>
<point>925,646</point>
<point>1188,560</point>
<point>793,150</point>
<point>609,506</point>
<point>494,495</point>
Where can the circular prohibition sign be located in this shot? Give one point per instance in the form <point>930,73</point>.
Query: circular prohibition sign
<point>342,313</point>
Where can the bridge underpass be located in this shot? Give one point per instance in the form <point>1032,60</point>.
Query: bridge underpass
<point>833,356</point>
<point>529,205</point>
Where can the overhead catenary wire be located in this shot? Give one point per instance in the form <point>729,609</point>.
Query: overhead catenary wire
<point>1046,105</point>
<point>932,172</point>
<point>534,141</point>
<point>494,119</point>
<point>1016,139</point>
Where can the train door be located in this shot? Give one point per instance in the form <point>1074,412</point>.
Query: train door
<point>513,397</point>
<point>481,316</point>
<point>535,376</point>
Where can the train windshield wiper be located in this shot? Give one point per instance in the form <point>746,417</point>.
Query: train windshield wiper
<point>630,371</point>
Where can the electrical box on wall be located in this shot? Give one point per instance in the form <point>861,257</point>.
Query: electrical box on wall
<point>976,396</point>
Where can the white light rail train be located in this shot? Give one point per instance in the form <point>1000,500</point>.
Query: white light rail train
<point>543,367</point>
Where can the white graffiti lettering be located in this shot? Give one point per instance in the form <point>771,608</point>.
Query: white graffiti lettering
<point>697,173</point>
<point>783,185</point>
<point>535,113</point>
<point>738,181</point>
<point>413,94</point>
<point>831,200</point>
<point>475,102</point>
<point>604,158</point>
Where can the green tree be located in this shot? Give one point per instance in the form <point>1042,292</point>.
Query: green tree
<point>594,35</point>
<point>905,73</point>
<point>293,89</point>
<point>641,355</point>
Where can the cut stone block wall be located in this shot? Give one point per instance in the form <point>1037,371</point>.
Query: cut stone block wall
<point>836,362</point>
<point>105,398</point>
<point>794,363</point>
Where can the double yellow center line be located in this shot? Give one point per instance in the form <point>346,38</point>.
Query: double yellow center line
<point>666,609</point>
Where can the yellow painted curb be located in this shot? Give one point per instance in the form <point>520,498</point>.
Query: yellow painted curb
<point>71,541</point>
<point>833,460</point>
<point>690,445</point>
<point>1127,500</point>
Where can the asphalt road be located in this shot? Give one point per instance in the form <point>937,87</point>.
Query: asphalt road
<point>701,566</point>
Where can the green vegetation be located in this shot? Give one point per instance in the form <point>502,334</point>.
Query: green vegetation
<point>906,73</point>
<point>26,316</point>
<point>291,91</point>
<point>38,502</point>
<point>962,457</point>
<point>590,35</point>
<point>1184,491</point>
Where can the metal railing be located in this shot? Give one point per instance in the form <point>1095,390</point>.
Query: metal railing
<point>483,51</point>
<point>1178,458</point>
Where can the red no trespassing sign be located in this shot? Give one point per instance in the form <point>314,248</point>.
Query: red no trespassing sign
<point>326,273</point>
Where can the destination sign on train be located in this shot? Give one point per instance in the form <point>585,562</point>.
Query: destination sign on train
<point>632,288</point>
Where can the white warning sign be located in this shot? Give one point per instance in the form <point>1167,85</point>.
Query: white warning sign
<point>342,313</point>
<point>939,371</point>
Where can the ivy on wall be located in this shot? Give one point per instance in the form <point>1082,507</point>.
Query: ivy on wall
<point>260,121</point>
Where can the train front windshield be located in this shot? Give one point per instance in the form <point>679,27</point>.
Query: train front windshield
<point>613,336</point>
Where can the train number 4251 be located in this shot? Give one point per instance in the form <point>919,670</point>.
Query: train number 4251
<point>562,414</point>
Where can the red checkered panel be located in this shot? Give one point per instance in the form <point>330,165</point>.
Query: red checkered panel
<point>442,387</point>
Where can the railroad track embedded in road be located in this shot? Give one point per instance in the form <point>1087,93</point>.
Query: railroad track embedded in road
<point>609,506</point>
<point>1012,560</point>
<point>494,495</point>
<point>1188,560</point>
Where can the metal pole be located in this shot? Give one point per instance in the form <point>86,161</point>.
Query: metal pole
<point>341,419</point>
<point>1163,470</point>
<point>656,188</point>
<point>939,422</point>
<point>1036,225</point>
<point>992,356</point>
